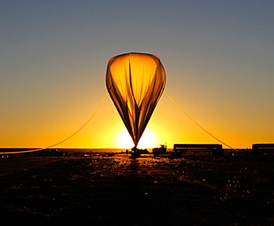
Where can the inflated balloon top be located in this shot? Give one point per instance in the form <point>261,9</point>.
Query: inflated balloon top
<point>135,82</point>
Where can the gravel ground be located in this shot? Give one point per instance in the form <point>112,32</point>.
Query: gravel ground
<point>195,190</point>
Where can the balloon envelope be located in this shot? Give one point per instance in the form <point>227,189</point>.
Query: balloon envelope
<point>135,82</point>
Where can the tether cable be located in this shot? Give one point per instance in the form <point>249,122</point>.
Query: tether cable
<point>64,140</point>
<point>196,123</point>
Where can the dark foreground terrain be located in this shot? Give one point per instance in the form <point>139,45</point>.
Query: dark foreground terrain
<point>118,190</point>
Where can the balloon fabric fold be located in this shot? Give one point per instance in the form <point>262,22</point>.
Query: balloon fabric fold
<point>135,82</point>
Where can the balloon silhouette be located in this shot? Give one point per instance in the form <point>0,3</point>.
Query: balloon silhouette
<point>135,82</point>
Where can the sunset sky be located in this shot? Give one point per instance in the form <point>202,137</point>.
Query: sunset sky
<point>218,57</point>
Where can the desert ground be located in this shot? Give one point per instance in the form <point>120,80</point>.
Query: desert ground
<point>119,190</point>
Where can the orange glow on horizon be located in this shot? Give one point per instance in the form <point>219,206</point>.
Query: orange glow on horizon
<point>167,126</point>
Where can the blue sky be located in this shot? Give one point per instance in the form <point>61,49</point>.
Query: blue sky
<point>218,57</point>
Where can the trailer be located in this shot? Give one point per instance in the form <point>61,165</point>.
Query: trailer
<point>262,148</point>
<point>215,149</point>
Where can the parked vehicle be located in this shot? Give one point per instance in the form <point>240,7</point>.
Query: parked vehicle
<point>160,150</point>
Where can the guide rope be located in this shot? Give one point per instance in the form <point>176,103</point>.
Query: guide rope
<point>64,140</point>
<point>197,124</point>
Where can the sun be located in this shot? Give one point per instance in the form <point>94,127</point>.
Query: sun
<point>148,139</point>
<point>123,139</point>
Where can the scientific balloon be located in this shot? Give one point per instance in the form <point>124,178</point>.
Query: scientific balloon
<point>135,82</point>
